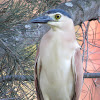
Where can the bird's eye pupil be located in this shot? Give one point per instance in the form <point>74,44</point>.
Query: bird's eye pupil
<point>57,16</point>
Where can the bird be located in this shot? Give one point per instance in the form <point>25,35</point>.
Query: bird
<point>58,66</point>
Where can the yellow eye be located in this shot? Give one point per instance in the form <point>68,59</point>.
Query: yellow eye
<point>57,16</point>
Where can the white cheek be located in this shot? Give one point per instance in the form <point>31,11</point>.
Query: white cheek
<point>52,23</point>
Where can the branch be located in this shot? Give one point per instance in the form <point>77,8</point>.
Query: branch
<point>91,75</point>
<point>82,10</point>
<point>17,78</point>
<point>9,51</point>
<point>31,77</point>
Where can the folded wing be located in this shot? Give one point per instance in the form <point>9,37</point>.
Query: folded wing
<point>77,73</point>
<point>38,68</point>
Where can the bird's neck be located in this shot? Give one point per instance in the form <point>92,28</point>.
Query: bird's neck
<point>66,33</point>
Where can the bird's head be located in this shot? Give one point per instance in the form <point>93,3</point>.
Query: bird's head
<point>56,18</point>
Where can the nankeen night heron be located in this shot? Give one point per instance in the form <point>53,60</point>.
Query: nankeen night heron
<point>58,68</point>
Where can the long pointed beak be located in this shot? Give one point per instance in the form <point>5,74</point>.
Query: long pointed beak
<point>41,19</point>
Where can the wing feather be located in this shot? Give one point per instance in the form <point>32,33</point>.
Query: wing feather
<point>77,72</point>
<point>38,67</point>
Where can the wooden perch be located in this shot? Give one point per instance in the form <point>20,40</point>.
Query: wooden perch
<point>31,77</point>
<point>82,10</point>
